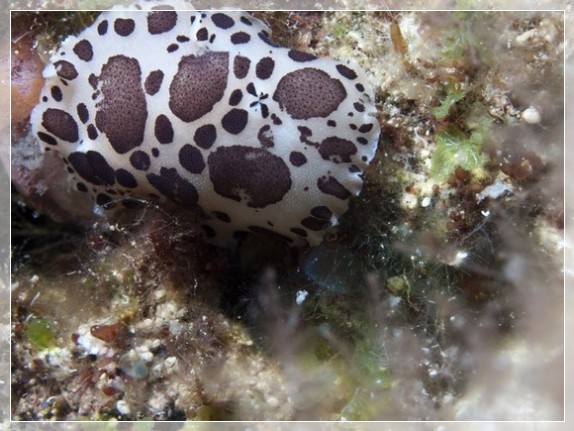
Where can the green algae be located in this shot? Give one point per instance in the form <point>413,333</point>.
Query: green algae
<point>455,148</point>
<point>40,333</point>
<point>453,96</point>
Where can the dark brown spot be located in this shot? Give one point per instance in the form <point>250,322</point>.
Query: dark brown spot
<point>83,49</point>
<point>240,37</point>
<point>93,81</point>
<point>205,136</point>
<point>359,106</point>
<point>332,123</point>
<point>313,223</point>
<point>140,160</point>
<point>81,187</point>
<point>300,56</point>
<point>220,215</point>
<point>61,124</point>
<point>126,179</point>
<point>153,82</point>
<point>66,70</point>
<point>92,167</point>
<point>360,87</point>
<point>297,159</point>
<point>92,132</point>
<point>173,47</point>
<point>308,93</point>
<point>264,68</point>
<point>264,36</point>
<point>250,175</point>
<point>330,185</point>
<point>362,141</point>
<point>322,212</point>
<point>104,200</point>
<point>201,34</point>
<point>209,231</point>
<point>251,89</point>
<point>337,150</point>
<point>235,121</point>
<point>124,27</point>
<point>191,159</point>
<point>161,21</point>
<point>56,93</point>
<point>235,97</point>
<point>346,72</point>
<point>163,130</point>
<point>174,187</point>
<point>304,133</point>
<point>181,38</point>
<point>199,83</point>
<point>298,231</point>
<point>83,112</point>
<point>265,136</point>
<point>103,27</point>
<point>365,128</point>
<point>158,7</point>
<point>48,139</point>
<point>245,20</point>
<point>122,112</point>
<point>241,66</point>
<point>222,21</point>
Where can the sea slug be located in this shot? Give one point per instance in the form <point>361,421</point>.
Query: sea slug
<point>203,109</point>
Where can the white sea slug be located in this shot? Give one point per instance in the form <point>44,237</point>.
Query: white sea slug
<point>204,110</point>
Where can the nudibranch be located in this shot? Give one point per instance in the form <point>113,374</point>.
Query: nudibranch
<point>203,109</point>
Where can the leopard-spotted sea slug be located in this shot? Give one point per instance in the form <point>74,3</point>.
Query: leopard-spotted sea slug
<point>204,110</point>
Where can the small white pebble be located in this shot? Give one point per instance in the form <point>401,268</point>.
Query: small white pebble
<point>123,407</point>
<point>531,115</point>
<point>494,191</point>
<point>146,323</point>
<point>155,343</point>
<point>460,256</point>
<point>409,201</point>
<point>144,353</point>
<point>426,201</point>
<point>301,296</point>
<point>159,294</point>
<point>394,300</point>
<point>170,362</point>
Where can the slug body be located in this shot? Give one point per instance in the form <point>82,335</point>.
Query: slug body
<point>202,109</point>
